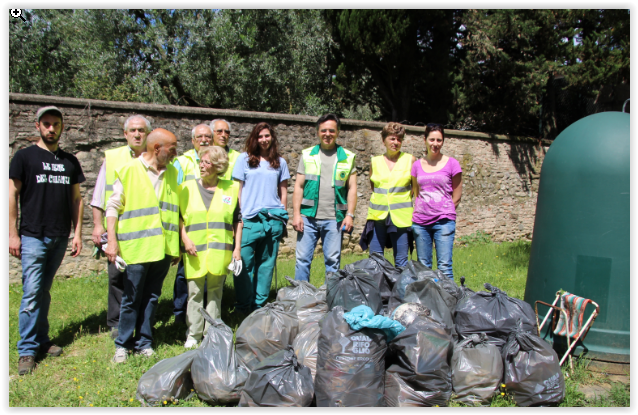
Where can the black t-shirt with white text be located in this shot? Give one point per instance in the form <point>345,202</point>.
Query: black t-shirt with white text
<point>46,194</point>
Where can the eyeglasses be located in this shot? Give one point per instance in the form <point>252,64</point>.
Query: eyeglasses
<point>223,132</point>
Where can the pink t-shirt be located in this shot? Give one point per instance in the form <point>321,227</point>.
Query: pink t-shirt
<point>434,201</point>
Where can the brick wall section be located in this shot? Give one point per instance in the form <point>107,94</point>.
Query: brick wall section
<point>500,173</point>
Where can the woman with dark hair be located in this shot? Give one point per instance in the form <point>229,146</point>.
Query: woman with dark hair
<point>263,192</point>
<point>436,180</point>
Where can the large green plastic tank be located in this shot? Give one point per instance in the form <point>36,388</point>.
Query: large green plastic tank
<point>581,229</point>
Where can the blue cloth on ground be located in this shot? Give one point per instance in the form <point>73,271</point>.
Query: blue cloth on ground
<point>362,316</point>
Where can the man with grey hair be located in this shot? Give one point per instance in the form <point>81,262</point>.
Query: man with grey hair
<point>136,128</point>
<point>221,133</point>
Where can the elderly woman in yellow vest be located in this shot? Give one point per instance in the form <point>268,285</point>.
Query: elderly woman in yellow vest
<point>210,217</point>
<point>390,212</point>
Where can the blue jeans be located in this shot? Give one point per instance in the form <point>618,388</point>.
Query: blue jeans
<point>180,292</point>
<point>399,242</point>
<point>41,258</point>
<point>313,229</point>
<point>142,289</point>
<point>442,233</point>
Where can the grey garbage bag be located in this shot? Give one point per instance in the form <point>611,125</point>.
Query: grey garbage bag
<point>477,369</point>
<point>494,313</point>
<point>435,298</point>
<point>218,374</point>
<point>266,331</point>
<point>350,364</point>
<point>381,270</point>
<point>408,312</point>
<point>532,371</point>
<point>353,288</point>
<point>296,290</point>
<point>463,290</point>
<point>280,380</point>
<point>166,380</point>
<point>420,357</point>
<point>305,345</point>
<point>414,271</point>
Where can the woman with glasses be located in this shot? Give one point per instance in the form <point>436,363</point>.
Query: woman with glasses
<point>390,210</point>
<point>210,213</point>
<point>436,180</point>
<point>263,193</point>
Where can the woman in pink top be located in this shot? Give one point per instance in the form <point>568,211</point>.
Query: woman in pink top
<point>436,180</point>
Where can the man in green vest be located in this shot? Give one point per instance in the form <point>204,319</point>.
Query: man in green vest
<point>324,198</point>
<point>136,128</point>
<point>142,218</point>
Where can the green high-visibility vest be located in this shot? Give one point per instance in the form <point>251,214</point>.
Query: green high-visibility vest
<point>190,165</point>
<point>391,193</point>
<point>147,229</point>
<point>114,159</point>
<point>211,231</point>
<point>340,175</point>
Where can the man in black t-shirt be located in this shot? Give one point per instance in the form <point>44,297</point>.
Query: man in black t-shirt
<point>46,181</point>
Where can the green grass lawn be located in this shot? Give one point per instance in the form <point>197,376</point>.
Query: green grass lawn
<point>85,376</point>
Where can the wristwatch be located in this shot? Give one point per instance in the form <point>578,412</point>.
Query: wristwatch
<point>350,214</point>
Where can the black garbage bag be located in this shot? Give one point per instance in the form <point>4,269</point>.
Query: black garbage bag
<point>353,288</point>
<point>414,271</point>
<point>406,313</point>
<point>532,369</point>
<point>494,313</point>
<point>477,369</point>
<point>420,357</point>
<point>383,272</point>
<point>280,380</point>
<point>463,290</point>
<point>167,380</point>
<point>435,298</point>
<point>350,364</point>
<point>266,331</point>
<point>305,346</point>
<point>390,272</point>
<point>296,290</point>
<point>218,374</point>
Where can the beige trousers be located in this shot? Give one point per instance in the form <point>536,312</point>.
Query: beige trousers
<point>194,319</point>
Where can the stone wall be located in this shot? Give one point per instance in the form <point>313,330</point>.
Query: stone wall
<point>500,173</point>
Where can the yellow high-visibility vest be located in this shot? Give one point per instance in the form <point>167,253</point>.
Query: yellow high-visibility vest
<point>211,231</point>
<point>147,229</point>
<point>114,159</point>
<point>190,165</point>
<point>392,191</point>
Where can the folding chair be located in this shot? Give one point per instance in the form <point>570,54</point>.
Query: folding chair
<point>570,321</point>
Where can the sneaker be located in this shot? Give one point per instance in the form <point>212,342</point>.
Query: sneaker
<point>26,364</point>
<point>190,343</point>
<point>114,333</point>
<point>121,354</point>
<point>51,349</point>
<point>145,352</point>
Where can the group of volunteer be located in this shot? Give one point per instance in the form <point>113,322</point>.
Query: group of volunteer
<point>210,211</point>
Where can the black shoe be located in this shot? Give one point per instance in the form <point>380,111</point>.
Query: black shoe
<point>26,364</point>
<point>114,333</point>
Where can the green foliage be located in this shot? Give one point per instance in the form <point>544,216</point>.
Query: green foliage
<point>478,237</point>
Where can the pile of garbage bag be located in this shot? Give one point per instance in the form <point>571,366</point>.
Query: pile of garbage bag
<point>373,335</point>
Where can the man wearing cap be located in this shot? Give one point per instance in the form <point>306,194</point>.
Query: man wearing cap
<point>46,180</point>
<point>142,217</point>
<point>136,128</point>
<point>324,198</point>
<point>187,166</point>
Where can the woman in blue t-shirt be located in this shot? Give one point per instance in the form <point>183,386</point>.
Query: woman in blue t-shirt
<point>263,176</point>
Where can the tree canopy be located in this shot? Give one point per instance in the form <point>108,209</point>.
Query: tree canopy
<point>497,71</point>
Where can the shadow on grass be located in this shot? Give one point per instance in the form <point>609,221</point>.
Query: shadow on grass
<point>92,324</point>
<point>517,254</point>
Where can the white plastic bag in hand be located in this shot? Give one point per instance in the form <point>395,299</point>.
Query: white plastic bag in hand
<point>236,266</point>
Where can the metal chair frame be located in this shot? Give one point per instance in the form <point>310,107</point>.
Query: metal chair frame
<point>583,331</point>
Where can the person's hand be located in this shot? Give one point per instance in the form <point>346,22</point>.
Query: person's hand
<point>96,236</point>
<point>237,254</point>
<point>297,223</point>
<point>347,222</point>
<point>112,250</point>
<point>76,245</point>
<point>189,246</point>
<point>15,246</point>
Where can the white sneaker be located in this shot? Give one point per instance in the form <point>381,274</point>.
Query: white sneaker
<point>190,343</point>
<point>145,352</point>
<point>121,354</point>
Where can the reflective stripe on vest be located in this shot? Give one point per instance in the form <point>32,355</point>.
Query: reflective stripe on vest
<point>147,230</point>
<point>312,173</point>
<point>391,192</point>
<point>113,160</point>
<point>189,164</point>
<point>210,231</point>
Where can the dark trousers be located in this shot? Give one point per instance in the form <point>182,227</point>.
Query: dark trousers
<point>116,288</point>
<point>180,292</point>
<point>142,289</point>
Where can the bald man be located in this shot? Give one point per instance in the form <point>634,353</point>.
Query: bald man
<point>142,217</point>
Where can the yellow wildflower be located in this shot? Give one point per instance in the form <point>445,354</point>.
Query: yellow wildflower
<point>131,400</point>
<point>79,397</point>
<point>164,402</point>
<point>502,393</point>
<point>502,385</point>
<point>75,379</point>
<point>90,404</point>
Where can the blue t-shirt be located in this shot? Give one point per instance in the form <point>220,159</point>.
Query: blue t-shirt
<point>260,185</point>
